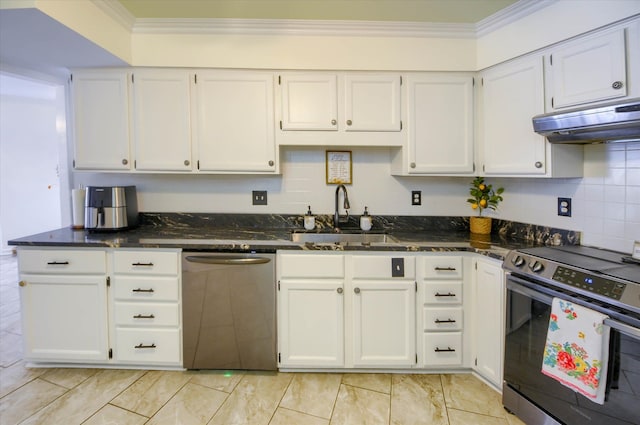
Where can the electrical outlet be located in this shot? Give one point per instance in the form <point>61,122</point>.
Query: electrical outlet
<point>416,197</point>
<point>564,207</point>
<point>259,197</point>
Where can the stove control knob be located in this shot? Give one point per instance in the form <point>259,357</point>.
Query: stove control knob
<point>536,266</point>
<point>517,261</point>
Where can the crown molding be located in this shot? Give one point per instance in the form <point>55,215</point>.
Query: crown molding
<point>306,27</point>
<point>303,27</point>
<point>116,11</point>
<point>510,14</point>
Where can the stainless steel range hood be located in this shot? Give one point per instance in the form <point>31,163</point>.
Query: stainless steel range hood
<point>612,122</point>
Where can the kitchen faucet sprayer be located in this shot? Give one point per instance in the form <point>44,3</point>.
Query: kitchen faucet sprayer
<point>336,216</point>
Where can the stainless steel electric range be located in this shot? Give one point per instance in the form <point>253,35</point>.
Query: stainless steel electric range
<point>605,281</point>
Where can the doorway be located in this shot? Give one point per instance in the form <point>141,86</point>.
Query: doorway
<point>34,181</point>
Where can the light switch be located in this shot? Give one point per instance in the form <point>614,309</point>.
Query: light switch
<point>397,267</point>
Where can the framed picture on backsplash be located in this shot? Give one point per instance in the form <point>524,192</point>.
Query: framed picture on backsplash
<point>339,167</point>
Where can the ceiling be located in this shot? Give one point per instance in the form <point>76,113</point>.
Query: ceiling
<point>437,11</point>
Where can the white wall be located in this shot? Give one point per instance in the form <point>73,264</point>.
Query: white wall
<point>32,158</point>
<point>606,202</point>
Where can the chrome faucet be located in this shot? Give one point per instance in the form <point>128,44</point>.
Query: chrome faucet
<point>336,216</point>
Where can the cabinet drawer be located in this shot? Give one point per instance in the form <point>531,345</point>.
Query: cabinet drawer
<point>383,267</point>
<point>147,314</point>
<point>442,348</point>
<point>148,262</point>
<point>143,346</point>
<point>62,261</point>
<point>318,266</point>
<point>442,319</point>
<point>442,267</point>
<point>146,288</point>
<point>442,292</point>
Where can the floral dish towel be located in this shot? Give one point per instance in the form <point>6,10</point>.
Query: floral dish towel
<point>577,349</point>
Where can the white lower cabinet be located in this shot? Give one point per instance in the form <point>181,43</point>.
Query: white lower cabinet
<point>346,311</point>
<point>63,295</point>
<point>441,301</point>
<point>101,306</point>
<point>488,319</point>
<point>146,328</point>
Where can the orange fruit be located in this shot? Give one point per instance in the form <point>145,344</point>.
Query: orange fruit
<point>474,206</point>
<point>483,203</point>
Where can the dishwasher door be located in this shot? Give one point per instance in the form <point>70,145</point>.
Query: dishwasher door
<point>229,311</point>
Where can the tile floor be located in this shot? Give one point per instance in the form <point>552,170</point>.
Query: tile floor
<point>108,396</point>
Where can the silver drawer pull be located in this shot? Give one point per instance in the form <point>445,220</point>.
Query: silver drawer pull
<point>58,263</point>
<point>448,294</point>
<point>144,316</point>
<point>445,321</point>
<point>142,264</point>
<point>141,345</point>
<point>142,290</point>
<point>445,269</point>
<point>445,350</point>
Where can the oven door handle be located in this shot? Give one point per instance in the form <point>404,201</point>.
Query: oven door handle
<point>516,284</point>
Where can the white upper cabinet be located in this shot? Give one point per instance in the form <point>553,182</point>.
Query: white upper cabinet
<point>234,122</point>
<point>512,93</point>
<point>347,108</point>
<point>161,120</point>
<point>589,69</point>
<point>439,125</point>
<point>101,120</point>
<point>309,101</point>
<point>372,102</point>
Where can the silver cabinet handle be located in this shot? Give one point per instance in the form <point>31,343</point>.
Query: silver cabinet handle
<point>617,85</point>
<point>187,162</point>
<point>271,163</point>
<point>538,164</point>
<point>339,290</point>
<point>349,122</point>
<point>333,122</point>
<point>141,345</point>
<point>412,165</point>
<point>356,290</point>
<point>144,316</point>
<point>125,161</point>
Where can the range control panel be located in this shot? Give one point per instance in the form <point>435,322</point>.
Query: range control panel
<point>589,282</point>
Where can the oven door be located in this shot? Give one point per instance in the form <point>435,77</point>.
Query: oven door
<point>538,399</point>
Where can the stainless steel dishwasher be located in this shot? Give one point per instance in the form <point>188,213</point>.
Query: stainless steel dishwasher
<point>229,311</point>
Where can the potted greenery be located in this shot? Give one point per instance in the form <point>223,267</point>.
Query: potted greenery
<point>483,196</point>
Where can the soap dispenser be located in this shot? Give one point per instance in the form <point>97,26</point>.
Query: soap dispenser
<point>309,220</point>
<point>365,220</point>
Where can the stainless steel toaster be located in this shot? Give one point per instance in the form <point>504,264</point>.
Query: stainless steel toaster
<point>110,208</point>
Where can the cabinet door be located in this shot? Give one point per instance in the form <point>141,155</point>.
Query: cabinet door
<point>440,124</point>
<point>235,121</point>
<point>384,331</point>
<point>311,323</point>
<point>101,120</point>
<point>64,317</point>
<point>309,101</point>
<point>512,94</point>
<point>161,126</point>
<point>589,70</point>
<point>488,321</point>
<point>372,102</point>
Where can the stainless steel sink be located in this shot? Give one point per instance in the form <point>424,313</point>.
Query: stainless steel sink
<point>342,238</point>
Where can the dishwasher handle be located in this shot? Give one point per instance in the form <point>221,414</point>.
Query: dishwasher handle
<point>229,260</point>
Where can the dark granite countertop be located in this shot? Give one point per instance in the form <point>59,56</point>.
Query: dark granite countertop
<point>268,233</point>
